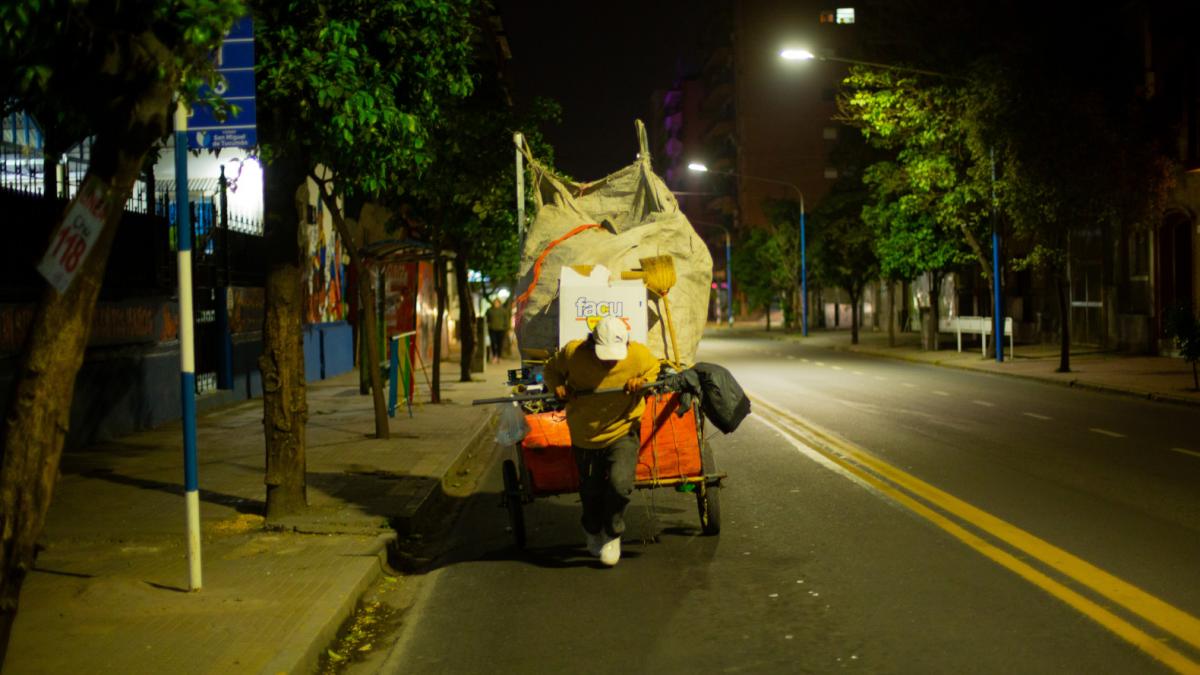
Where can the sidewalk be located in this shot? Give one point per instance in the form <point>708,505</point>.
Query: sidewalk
<point>1154,377</point>
<point>108,594</point>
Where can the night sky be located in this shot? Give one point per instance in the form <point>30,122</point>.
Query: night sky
<point>601,62</point>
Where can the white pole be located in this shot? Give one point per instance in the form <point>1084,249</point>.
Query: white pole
<point>187,354</point>
<point>517,141</point>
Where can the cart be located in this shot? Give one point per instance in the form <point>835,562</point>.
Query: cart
<point>674,453</point>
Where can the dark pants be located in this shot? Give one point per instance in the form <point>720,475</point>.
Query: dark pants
<point>605,483</point>
<point>497,342</point>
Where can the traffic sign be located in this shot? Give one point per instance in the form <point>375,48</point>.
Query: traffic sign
<point>235,64</point>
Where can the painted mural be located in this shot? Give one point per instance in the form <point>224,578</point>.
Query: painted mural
<point>325,270</point>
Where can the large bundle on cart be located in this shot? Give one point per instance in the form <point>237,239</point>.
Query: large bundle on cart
<point>616,222</point>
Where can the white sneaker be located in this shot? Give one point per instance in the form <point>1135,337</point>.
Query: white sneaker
<point>610,553</point>
<point>595,542</point>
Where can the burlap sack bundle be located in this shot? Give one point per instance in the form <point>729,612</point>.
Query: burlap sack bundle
<point>615,221</point>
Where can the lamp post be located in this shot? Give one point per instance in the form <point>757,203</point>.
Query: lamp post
<point>697,166</point>
<point>792,54</point>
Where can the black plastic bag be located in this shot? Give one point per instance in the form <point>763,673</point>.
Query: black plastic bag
<point>723,401</point>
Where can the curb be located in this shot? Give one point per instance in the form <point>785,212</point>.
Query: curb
<point>435,501</point>
<point>1072,383</point>
<point>301,653</point>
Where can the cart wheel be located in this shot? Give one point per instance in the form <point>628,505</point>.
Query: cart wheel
<point>512,501</point>
<point>708,497</point>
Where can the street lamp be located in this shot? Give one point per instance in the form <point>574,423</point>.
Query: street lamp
<point>793,54</point>
<point>701,168</point>
<point>728,264</point>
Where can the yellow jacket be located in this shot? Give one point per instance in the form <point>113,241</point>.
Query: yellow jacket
<point>596,421</point>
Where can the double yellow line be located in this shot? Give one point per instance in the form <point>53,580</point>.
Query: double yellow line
<point>950,513</point>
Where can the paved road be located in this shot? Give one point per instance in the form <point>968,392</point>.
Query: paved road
<point>879,517</point>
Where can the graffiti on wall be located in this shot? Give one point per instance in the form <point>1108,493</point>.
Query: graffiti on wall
<point>113,323</point>
<point>324,272</point>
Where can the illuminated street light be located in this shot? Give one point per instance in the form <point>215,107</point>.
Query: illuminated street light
<point>797,55</point>
<point>701,168</point>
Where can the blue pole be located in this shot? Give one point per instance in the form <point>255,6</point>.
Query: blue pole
<point>998,331</point>
<point>997,311</point>
<point>803,275</point>
<point>729,275</point>
<point>187,354</point>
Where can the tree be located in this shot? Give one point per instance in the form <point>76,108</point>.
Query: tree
<point>843,250</point>
<point>464,200</point>
<point>931,208</point>
<point>759,264</point>
<point>1065,118</point>
<point>357,86</point>
<point>781,249</point>
<point>109,71</point>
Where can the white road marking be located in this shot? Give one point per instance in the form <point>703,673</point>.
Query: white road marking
<point>1185,451</point>
<point>837,367</point>
<point>1036,416</point>
<point>939,392</point>
<point>984,404</point>
<point>881,379</point>
<point>1106,432</point>
<point>805,360</point>
<point>821,363</point>
<point>910,385</point>
<point>859,372</point>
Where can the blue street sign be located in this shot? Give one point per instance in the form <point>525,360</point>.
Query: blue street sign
<point>235,63</point>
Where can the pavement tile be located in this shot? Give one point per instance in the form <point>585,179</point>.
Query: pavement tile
<point>108,593</point>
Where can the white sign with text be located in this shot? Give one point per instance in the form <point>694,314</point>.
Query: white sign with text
<point>73,240</point>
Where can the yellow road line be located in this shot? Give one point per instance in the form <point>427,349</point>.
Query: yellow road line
<point>1141,603</point>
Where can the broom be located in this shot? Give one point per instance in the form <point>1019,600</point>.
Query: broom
<point>658,273</point>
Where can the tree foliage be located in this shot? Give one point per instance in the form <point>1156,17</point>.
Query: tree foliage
<point>363,83</point>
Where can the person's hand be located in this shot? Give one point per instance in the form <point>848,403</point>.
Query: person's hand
<point>562,392</point>
<point>633,384</point>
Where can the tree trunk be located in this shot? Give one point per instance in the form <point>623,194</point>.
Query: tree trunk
<point>891,313</point>
<point>285,395</point>
<point>1064,313</point>
<point>904,308</point>
<point>854,315</point>
<point>466,318</point>
<point>439,286</point>
<point>38,417</point>
<point>768,317</point>
<point>935,310</point>
<point>366,294</point>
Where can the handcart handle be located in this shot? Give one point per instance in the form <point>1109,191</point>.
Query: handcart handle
<point>549,396</point>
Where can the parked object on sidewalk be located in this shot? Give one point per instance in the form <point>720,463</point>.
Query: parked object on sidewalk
<point>642,220</point>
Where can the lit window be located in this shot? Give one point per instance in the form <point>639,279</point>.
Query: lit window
<point>829,133</point>
<point>845,15</point>
<point>830,172</point>
<point>827,16</point>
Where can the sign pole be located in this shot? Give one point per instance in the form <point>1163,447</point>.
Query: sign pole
<point>187,358</point>
<point>517,141</point>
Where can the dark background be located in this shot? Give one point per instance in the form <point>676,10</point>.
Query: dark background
<point>601,62</point>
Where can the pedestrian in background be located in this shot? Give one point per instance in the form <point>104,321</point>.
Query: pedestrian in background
<point>605,428</point>
<point>497,323</point>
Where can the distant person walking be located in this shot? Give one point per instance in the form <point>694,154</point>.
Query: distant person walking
<point>497,323</point>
